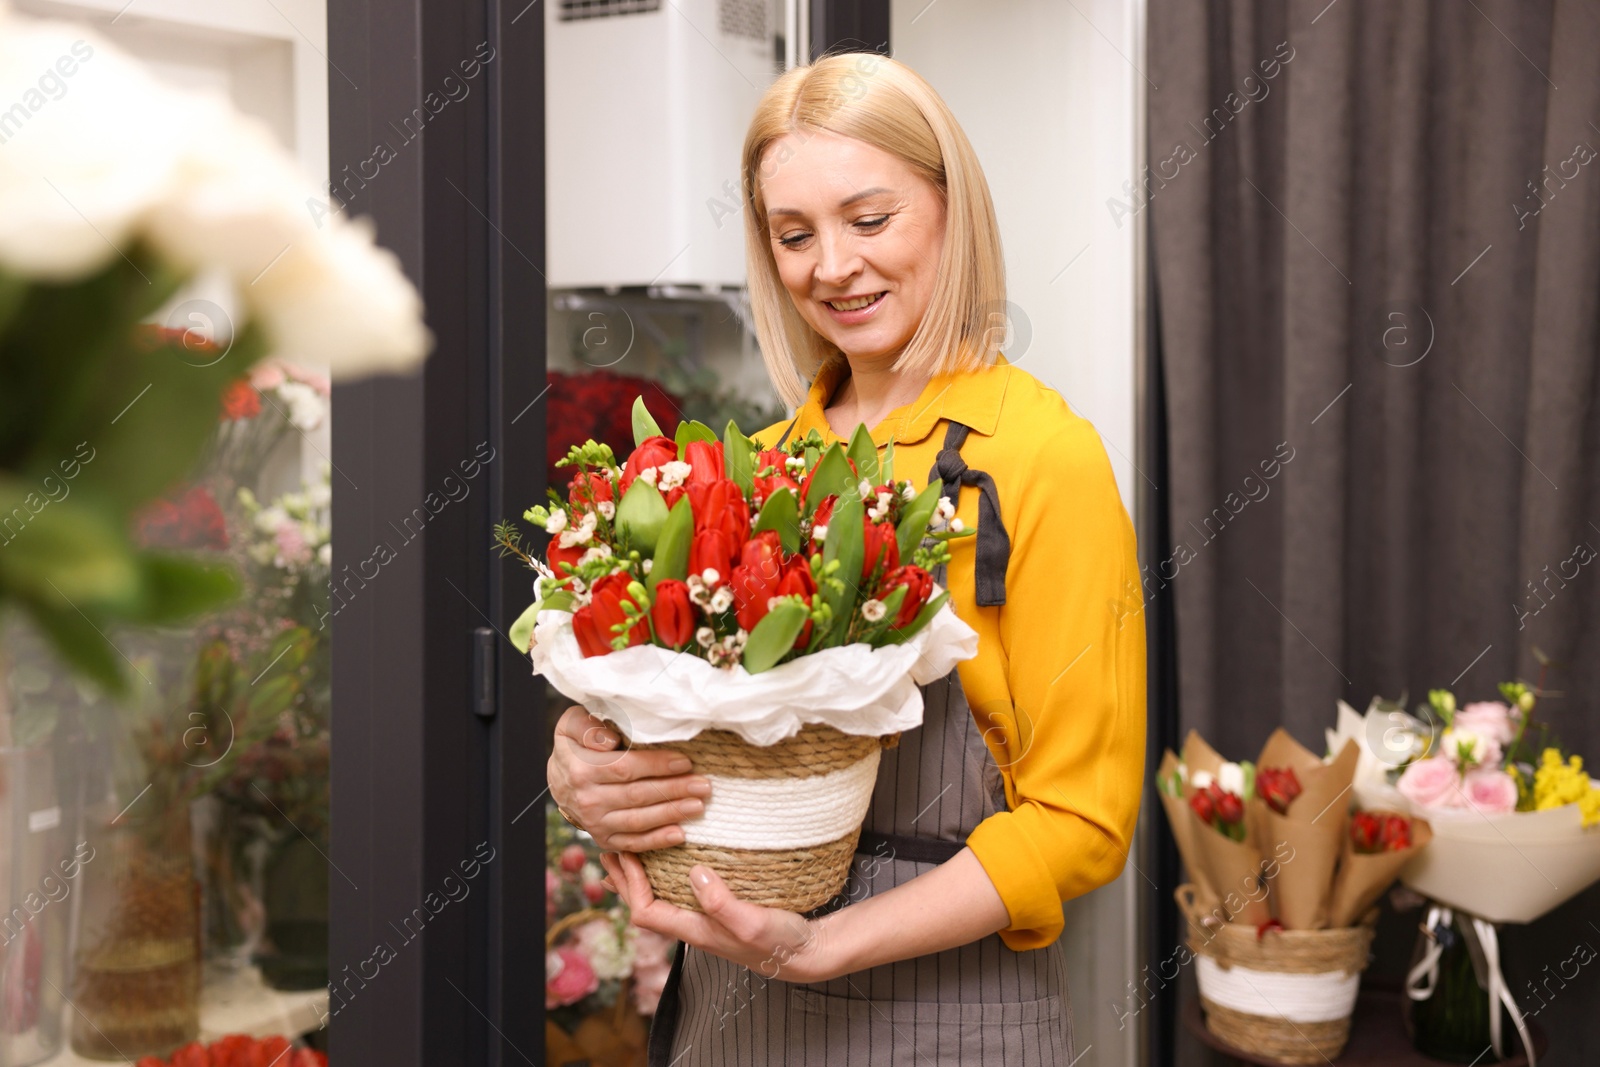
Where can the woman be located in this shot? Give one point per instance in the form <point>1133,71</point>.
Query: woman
<point>875,270</point>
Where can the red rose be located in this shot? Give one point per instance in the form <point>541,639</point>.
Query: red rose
<point>712,550</point>
<point>673,613</point>
<point>720,505</point>
<point>240,401</point>
<point>605,612</point>
<point>705,462</point>
<point>919,587</point>
<point>653,452</point>
<point>882,546</point>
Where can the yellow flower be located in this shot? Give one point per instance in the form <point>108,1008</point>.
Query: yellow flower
<point>1557,784</point>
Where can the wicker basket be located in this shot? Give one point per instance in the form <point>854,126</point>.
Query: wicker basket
<point>782,821</point>
<point>1286,997</point>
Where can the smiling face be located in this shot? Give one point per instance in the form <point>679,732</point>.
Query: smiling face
<point>856,234</point>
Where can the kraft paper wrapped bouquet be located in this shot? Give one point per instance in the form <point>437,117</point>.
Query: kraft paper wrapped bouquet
<point>1284,879</point>
<point>770,613</point>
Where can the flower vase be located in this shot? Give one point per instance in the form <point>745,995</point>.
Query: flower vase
<point>294,954</point>
<point>1453,1022</point>
<point>229,853</point>
<point>136,990</point>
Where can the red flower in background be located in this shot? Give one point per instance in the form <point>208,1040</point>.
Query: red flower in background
<point>190,521</point>
<point>1278,786</point>
<point>1377,831</point>
<point>596,404</point>
<point>240,1050</point>
<point>240,401</point>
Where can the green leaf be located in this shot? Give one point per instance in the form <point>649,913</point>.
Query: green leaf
<point>63,548</point>
<point>689,430</point>
<point>925,616</point>
<point>174,588</point>
<point>865,455</point>
<point>738,458</point>
<point>886,466</point>
<point>641,515</point>
<point>781,513</point>
<point>831,477</point>
<point>521,632</point>
<point>672,550</point>
<point>844,543</point>
<point>914,519</point>
<point>774,635</point>
<point>644,424</point>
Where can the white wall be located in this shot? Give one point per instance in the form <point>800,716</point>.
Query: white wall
<point>1050,95</point>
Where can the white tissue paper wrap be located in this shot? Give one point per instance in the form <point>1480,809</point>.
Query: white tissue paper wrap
<point>654,694</point>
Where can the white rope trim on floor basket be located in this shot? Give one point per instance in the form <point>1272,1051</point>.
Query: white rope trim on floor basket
<point>785,813</point>
<point>1300,998</point>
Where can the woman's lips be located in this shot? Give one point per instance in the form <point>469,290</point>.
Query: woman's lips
<point>856,315</point>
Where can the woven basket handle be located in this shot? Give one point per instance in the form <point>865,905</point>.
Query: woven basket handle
<point>1195,906</point>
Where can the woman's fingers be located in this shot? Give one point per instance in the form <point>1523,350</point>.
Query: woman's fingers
<point>586,731</point>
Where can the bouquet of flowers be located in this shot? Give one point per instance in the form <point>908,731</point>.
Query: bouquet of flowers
<point>764,608</point>
<point>1501,796</point>
<point>1284,878</point>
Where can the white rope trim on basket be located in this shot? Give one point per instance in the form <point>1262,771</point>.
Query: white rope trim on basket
<point>1300,998</point>
<point>785,813</point>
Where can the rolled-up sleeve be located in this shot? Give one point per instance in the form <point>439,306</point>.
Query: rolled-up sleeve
<point>1072,630</point>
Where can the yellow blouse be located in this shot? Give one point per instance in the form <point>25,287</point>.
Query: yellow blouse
<point>1058,684</point>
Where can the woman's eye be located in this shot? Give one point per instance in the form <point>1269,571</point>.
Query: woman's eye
<point>793,240</point>
<point>873,223</point>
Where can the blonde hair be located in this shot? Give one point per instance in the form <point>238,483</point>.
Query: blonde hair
<point>886,104</point>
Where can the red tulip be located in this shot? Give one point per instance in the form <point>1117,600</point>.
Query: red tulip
<point>705,462</point>
<point>268,1052</point>
<point>712,550</point>
<point>556,555</point>
<point>1202,806</point>
<point>673,613</point>
<point>589,488</point>
<point>768,484</point>
<point>805,486</point>
<point>881,547</point>
<point>1396,833</point>
<point>796,580</point>
<point>919,587</point>
<point>1229,808</point>
<point>753,588</point>
<point>1365,832</point>
<point>1278,786</point>
<point>596,633</point>
<point>720,505</point>
<point>191,1055</point>
<point>653,452</point>
<point>821,517</point>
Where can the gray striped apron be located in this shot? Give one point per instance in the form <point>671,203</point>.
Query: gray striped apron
<point>977,1004</point>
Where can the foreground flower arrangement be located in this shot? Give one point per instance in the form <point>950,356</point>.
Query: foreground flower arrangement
<point>752,607</point>
<point>736,556</point>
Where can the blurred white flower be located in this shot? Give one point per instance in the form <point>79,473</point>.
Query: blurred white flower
<point>118,158</point>
<point>1230,779</point>
<point>305,405</point>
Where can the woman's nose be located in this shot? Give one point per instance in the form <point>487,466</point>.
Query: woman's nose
<point>837,261</point>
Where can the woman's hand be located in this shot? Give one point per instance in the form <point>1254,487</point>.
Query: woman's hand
<point>772,943</point>
<point>627,800</point>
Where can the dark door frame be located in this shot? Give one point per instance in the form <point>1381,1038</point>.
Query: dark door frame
<point>437,133</point>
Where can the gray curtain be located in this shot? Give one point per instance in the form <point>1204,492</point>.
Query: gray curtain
<point>1376,234</point>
